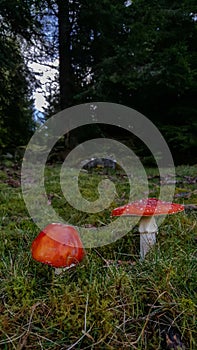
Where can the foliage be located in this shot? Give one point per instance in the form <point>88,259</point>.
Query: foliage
<point>15,99</point>
<point>16,105</point>
<point>150,65</point>
<point>142,55</point>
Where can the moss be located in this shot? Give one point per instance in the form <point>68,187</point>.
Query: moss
<point>100,304</point>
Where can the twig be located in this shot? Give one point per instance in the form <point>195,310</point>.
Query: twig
<point>11,339</point>
<point>24,340</point>
<point>84,331</point>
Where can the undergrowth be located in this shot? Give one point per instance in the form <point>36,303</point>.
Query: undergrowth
<point>112,300</point>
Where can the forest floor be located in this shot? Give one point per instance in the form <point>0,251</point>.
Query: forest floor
<point>111,300</point>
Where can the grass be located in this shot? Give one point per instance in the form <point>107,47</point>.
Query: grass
<point>111,300</point>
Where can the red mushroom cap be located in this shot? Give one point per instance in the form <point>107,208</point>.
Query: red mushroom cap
<point>148,207</point>
<point>58,245</point>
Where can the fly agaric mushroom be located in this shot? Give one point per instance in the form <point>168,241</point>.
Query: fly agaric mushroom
<point>58,245</point>
<point>147,209</point>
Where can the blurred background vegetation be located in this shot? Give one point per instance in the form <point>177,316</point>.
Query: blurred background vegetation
<point>136,53</point>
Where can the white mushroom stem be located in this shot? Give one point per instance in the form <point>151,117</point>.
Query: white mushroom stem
<point>148,230</point>
<point>60,270</point>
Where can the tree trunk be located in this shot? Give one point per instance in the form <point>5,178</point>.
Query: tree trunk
<point>65,78</point>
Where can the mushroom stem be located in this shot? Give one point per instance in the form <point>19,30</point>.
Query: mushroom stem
<point>147,229</point>
<point>60,270</point>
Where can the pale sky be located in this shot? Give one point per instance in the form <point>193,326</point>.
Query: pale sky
<point>47,74</point>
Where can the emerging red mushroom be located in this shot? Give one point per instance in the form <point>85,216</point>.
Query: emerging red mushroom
<point>147,209</point>
<point>58,245</point>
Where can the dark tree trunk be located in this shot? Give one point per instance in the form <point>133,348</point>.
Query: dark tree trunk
<point>65,78</point>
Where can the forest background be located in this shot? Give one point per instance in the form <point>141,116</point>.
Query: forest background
<point>142,54</point>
